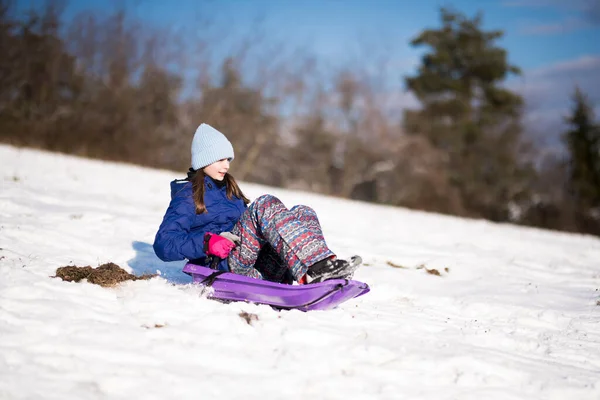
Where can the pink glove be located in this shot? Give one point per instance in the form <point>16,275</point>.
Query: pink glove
<point>218,245</point>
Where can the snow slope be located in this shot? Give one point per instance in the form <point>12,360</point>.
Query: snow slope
<point>513,317</point>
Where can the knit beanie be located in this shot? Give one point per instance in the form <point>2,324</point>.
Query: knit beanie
<point>208,146</point>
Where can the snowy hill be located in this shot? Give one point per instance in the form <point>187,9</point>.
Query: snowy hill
<point>512,315</point>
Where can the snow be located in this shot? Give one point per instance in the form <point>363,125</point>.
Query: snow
<point>515,316</point>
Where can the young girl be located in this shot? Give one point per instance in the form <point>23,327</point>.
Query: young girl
<point>209,217</point>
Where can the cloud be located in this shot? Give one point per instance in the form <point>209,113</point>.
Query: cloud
<point>574,5</point>
<point>593,12</point>
<point>583,64</point>
<point>577,15</point>
<point>550,83</point>
<point>523,3</point>
<point>570,24</point>
<point>548,91</point>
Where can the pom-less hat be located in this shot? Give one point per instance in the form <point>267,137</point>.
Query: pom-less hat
<point>208,146</point>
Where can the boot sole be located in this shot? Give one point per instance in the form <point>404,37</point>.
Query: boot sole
<point>346,273</point>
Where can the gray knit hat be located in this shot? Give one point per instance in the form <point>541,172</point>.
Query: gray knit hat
<point>208,146</point>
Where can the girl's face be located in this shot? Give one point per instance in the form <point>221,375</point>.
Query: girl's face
<point>217,170</point>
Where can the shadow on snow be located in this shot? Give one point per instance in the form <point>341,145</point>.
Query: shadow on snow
<point>146,262</point>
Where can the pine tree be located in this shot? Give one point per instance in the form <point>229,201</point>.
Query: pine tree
<point>467,114</point>
<point>583,144</point>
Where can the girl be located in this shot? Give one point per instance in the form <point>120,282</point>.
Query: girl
<point>209,217</point>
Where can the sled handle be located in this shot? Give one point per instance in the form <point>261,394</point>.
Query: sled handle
<point>214,263</point>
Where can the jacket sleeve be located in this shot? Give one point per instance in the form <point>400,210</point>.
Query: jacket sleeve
<point>174,240</point>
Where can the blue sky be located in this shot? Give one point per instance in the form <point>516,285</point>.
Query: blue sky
<point>555,42</point>
<point>537,32</point>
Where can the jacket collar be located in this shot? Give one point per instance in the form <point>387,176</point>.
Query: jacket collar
<point>210,183</point>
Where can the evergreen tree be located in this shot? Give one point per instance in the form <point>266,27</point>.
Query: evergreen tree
<point>583,144</point>
<point>468,115</point>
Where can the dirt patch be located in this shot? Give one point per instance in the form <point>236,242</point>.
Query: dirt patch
<point>433,271</point>
<point>72,273</point>
<point>154,326</point>
<point>106,275</point>
<point>248,317</point>
<point>393,265</point>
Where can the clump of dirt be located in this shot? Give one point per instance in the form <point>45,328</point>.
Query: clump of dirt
<point>106,275</point>
<point>155,326</point>
<point>72,273</point>
<point>248,317</point>
<point>433,271</point>
<point>393,265</point>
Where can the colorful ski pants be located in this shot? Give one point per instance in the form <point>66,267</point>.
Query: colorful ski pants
<point>277,244</point>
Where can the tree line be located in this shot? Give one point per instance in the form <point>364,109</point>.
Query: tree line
<point>114,88</point>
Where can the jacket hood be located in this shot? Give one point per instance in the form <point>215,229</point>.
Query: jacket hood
<point>179,184</point>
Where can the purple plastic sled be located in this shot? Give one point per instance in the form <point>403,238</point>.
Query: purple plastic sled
<point>315,296</point>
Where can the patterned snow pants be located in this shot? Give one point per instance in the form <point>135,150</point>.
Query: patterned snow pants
<point>277,244</point>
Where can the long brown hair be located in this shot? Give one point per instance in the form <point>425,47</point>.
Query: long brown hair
<point>198,190</point>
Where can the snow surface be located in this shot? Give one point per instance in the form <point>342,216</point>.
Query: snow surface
<point>515,316</point>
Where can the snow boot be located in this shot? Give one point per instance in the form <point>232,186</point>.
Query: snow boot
<point>332,269</point>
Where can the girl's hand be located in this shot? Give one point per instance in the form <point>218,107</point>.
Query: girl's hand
<point>234,238</point>
<point>217,245</point>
